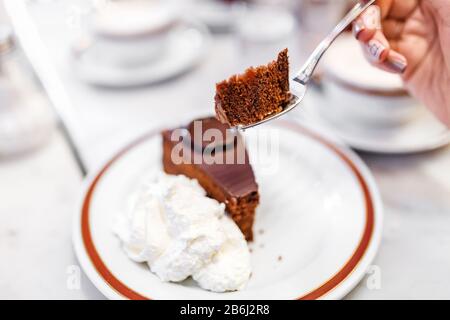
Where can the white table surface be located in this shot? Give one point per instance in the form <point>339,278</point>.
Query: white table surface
<point>40,191</point>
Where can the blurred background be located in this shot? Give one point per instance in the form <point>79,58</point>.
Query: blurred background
<point>80,78</point>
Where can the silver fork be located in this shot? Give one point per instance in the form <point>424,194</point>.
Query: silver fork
<point>306,72</point>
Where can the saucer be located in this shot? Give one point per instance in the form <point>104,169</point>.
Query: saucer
<point>186,46</point>
<point>317,229</point>
<point>421,133</point>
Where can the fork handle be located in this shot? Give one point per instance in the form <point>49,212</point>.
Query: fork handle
<point>308,68</point>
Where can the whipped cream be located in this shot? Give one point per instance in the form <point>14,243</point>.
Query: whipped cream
<point>180,232</point>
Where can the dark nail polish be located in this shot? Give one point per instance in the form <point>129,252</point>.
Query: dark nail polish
<point>397,64</point>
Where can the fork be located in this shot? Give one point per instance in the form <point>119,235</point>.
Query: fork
<point>304,75</point>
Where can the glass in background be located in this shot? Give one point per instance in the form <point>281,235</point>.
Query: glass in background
<point>26,119</point>
<point>317,18</point>
<point>263,29</point>
<point>218,15</point>
<point>2,13</point>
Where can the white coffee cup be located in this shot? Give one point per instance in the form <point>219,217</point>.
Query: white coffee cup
<point>134,32</point>
<point>359,93</point>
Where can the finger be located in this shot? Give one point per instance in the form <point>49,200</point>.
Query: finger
<point>394,44</point>
<point>380,53</point>
<point>366,25</point>
<point>385,7</point>
<point>411,46</point>
<point>393,28</point>
<point>395,62</point>
<point>360,32</point>
<point>391,61</point>
<point>401,9</point>
<point>377,48</point>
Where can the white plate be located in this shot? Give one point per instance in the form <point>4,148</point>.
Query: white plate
<point>421,133</point>
<point>186,47</point>
<point>317,229</point>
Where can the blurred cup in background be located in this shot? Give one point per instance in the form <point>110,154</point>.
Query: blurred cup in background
<point>134,32</point>
<point>358,93</point>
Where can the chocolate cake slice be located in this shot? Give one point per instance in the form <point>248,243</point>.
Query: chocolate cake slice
<point>256,94</point>
<point>221,166</point>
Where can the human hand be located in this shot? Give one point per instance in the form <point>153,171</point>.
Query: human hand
<point>412,38</point>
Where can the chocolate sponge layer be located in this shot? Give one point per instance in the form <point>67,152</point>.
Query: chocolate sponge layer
<point>258,93</point>
<point>230,183</point>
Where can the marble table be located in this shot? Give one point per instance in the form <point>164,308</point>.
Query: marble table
<point>40,190</point>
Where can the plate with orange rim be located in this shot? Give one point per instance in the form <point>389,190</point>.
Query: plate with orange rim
<point>317,229</point>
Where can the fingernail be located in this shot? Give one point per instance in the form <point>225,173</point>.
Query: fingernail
<point>358,27</point>
<point>376,49</point>
<point>396,62</point>
<point>372,17</point>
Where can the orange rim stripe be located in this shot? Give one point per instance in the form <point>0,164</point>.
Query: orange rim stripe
<point>339,277</point>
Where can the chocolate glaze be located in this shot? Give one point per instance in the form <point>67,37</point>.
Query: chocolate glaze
<point>236,179</point>
<point>228,136</point>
